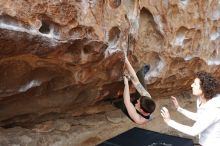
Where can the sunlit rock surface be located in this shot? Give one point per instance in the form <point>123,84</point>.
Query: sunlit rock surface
<point>65,57</point>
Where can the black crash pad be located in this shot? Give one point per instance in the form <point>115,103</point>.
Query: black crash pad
<point>141,137</point>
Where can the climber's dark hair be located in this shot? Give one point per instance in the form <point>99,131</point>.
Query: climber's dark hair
<point>147,104</point>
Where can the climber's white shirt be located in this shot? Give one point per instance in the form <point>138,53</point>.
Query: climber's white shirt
<point>207,122</point>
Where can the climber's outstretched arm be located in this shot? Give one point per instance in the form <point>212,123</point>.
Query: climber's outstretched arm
<point>135,79</point>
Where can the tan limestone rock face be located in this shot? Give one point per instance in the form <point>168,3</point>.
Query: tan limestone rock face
<point>177,38</point>
<point>66,56</point>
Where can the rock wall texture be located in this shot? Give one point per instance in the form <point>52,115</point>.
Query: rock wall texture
<point>64,57</point>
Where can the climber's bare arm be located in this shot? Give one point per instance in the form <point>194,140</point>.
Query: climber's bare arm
<point>131,71</point>
<point>137,118</point>
<point>142,90</point>
<point>135,79</point>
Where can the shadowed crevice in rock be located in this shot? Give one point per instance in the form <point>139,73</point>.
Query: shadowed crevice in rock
<point>45,28</point>
<point>149,35</point>
<point>114,34</point>
<point>114,3</point>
